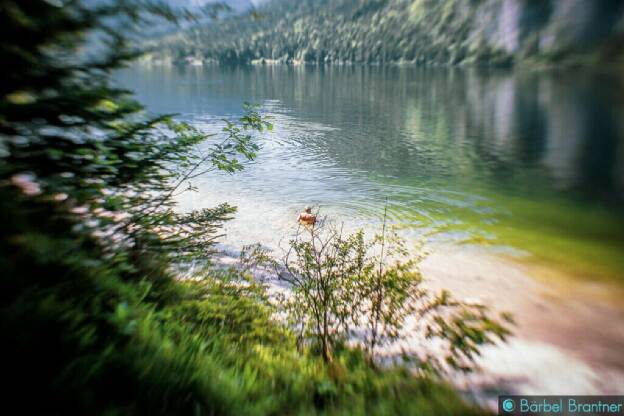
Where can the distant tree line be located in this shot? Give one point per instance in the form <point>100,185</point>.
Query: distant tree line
<point>382,31</point>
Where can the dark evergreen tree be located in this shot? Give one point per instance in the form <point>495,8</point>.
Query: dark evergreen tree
<point>87,186</point>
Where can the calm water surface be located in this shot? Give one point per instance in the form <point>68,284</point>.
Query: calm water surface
<point>523,163</point>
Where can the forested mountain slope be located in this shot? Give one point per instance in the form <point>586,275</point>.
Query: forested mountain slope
<point>423,31</point>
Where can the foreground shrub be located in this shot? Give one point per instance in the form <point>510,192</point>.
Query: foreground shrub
<point>347,289</point>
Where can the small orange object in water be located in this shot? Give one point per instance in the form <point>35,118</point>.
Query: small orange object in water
<point>306,217</point>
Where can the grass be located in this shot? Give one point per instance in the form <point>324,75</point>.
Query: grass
<point>89,334</point>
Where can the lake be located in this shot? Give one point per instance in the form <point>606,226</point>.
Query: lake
<point>526,164</point>
<point>513,182</point>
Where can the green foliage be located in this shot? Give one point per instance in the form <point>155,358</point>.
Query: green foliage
<point>84,339</point>
<point>342,31</point>
<point>89,146</point>
<point>339,285</point>
<point>448,32</point>
<point>465,328</point>
<point>323,269</point>
<point>390,290</point>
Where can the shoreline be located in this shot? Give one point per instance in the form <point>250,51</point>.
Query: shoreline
<point>573,63</point>
<point>564,341</point>
<point>557,347</point>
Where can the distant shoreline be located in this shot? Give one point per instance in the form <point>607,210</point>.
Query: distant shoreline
<point>578,61</point>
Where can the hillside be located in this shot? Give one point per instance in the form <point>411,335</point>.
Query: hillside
<point>496,32</point>
<point>236,5</point>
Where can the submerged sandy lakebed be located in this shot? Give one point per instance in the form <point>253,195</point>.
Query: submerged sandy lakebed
<point>569,336</point>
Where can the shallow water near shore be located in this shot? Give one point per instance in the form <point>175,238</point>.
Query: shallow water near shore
<point>531,161</point>
<point>514,181</point>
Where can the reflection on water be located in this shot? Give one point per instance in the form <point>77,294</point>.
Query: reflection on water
<point>534,161</point>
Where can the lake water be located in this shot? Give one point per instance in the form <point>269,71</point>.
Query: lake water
<point>526,164</point>
<point>514,182</point>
